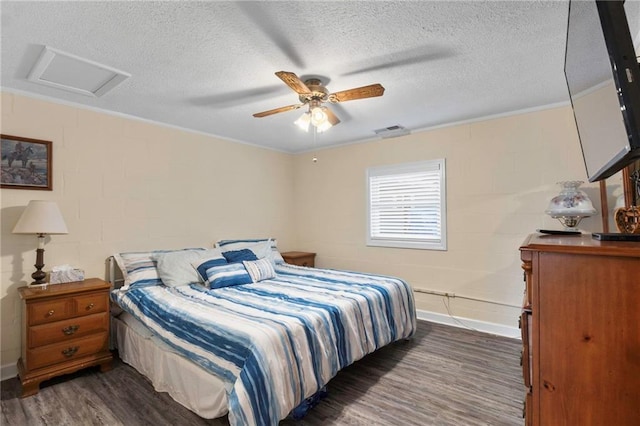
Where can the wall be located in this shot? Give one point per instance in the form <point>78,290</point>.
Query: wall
<point>125,185</point>
<point>501,174</point>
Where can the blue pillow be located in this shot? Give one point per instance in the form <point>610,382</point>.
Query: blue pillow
<point>240,255</point>
<point>273,255</point>
<point>216,273</point>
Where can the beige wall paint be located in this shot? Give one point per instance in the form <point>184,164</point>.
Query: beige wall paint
<point>126,185</point>
<point>501,174</point>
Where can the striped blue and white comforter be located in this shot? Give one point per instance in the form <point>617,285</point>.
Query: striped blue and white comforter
<point>276,342</point>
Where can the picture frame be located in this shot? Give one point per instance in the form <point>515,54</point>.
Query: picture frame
<point>25,163</point>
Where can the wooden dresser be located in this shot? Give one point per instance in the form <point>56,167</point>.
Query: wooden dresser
<point>300,258</point>
<point>65,328</point>
<point>581,331</point>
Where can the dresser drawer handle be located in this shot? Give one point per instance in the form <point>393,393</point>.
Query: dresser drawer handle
<point>90,306</point>
<point>70,330</point>
<point>69,352</point>
<point>50,313</point>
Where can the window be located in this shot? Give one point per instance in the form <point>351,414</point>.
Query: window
<point>407,206</point>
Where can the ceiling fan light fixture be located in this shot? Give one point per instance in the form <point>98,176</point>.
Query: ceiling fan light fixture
<point>324,126</point>
<point>318,116</point>
<point>304,121</point>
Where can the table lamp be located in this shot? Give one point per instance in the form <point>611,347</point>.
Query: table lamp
<point>571,205</point>
<point>40,218</point>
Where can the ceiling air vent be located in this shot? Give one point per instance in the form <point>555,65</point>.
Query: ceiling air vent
<point>74,74</point>
<point>392,132</point>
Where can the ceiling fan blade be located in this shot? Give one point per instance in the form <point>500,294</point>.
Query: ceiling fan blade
<point>277,110</point>
<point>370,91</point>
<point>294,82</point>
<point>331,117</point>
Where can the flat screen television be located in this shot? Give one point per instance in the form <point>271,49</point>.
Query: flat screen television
<point>603,78</point>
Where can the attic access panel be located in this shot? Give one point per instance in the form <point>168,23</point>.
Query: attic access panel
<point>71,73</point>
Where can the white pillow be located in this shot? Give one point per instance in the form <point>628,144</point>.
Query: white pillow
<point>260,269</point>
<point>175,268</point>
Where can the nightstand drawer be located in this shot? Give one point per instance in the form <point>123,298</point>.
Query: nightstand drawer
<point>45,334</point>
<point>49,311</point>
<point>62,352</point>
<point>91,303</point>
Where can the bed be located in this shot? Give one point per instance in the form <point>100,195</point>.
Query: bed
<point>256,350</point>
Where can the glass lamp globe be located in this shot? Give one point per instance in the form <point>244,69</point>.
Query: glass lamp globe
<point>571,205</point>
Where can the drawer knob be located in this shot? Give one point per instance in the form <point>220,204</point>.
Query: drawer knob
<point>90,306</point>
<point>69,352</point>
<point>70,330</point>
<point>50,313</point>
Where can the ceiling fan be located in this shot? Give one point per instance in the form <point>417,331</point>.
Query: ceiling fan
<point>311,92</point>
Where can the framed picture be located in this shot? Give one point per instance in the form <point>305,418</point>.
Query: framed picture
<point>26,163</point>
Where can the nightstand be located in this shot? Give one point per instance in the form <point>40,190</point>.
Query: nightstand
<point>65,328</point>
<point>300,258</point>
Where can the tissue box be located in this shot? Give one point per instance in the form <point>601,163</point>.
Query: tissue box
<point>66,276</point>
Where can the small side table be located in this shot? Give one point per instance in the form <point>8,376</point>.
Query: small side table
<point>300,258</point>
<point>65,328</point>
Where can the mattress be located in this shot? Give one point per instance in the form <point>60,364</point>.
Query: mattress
<point>168,371</point>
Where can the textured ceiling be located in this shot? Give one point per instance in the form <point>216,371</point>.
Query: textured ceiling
<point>208,66</point>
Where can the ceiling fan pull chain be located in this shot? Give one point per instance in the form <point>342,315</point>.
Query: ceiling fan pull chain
<point>315,134</point>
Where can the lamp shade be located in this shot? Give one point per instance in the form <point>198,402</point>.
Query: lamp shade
<point>41,217</point>
<point>303,121</point>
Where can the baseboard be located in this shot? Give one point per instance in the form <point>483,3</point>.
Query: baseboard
<point>8,371</point>
<point>482,326</point>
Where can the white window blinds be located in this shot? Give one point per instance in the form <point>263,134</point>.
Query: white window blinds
<point>407,205</point>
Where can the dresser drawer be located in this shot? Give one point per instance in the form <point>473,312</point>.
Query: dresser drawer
<point>526,356</point>
<point>61,331</point>
<point>527,409</point>
<point>49,311</point>
<point>90,303</point>
<point>527,285</point>
<point>62,352</point>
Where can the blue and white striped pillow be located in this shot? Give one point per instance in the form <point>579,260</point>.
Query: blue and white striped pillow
<point>217,273</point>
<point>139,269</point>
<point>259,270</point>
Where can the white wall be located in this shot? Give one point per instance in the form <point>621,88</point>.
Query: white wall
<point>501,174</point>
<point>126,185</point>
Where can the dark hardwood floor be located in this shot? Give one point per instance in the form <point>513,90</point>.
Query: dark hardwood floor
<point>443,376</point>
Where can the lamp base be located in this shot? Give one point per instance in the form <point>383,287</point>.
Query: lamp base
<point>39,275</point>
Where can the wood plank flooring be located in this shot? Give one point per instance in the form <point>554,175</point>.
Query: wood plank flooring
<point>443,376</point>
